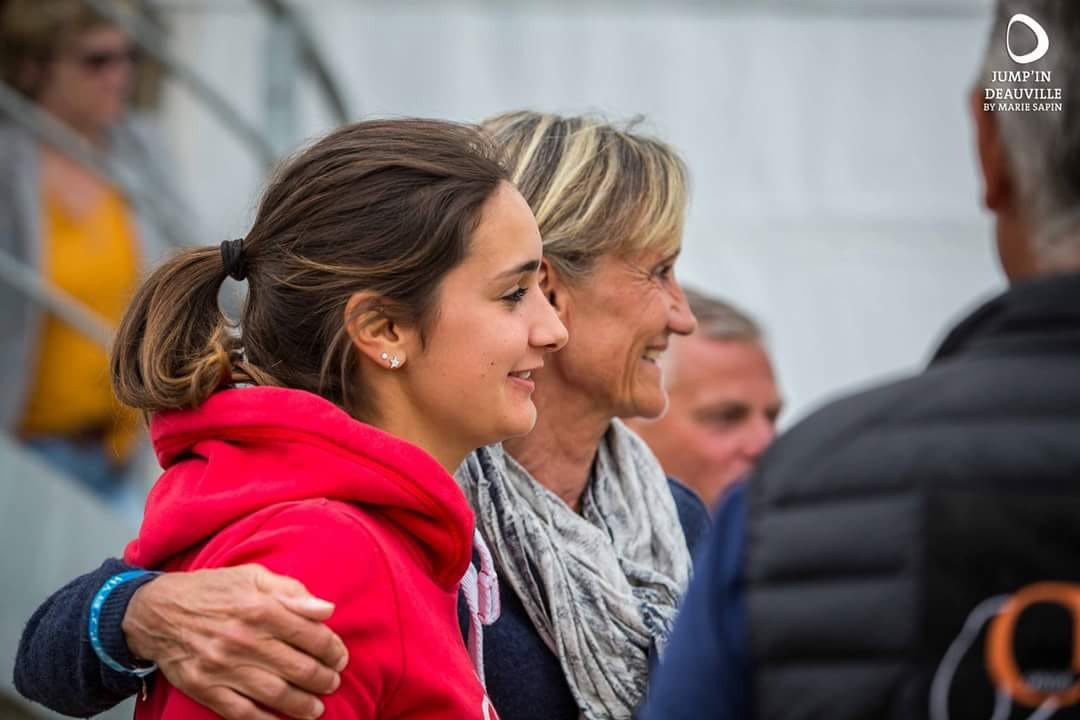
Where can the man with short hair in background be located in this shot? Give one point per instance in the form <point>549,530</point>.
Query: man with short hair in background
<point>722,400</point>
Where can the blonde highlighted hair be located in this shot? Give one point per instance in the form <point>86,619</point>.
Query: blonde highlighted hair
<point>595,188</point>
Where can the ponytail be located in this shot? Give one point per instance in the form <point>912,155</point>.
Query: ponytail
<point>381,206</point>
<point>173,348</point>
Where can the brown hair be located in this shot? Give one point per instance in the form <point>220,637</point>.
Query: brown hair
<point>386,206</point>
<point>595,187</point>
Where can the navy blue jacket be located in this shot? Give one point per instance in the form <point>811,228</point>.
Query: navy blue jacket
<point>706,670</point>
<point>57,667</point>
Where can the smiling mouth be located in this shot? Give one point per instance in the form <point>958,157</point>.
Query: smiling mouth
<point>653,355</point>
<point>523,375</point>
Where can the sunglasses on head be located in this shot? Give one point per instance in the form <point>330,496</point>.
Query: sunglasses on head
<point>98,60</point>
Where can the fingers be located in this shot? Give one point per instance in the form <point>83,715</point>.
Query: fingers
<point>300,669</point>
<point>308,606</point>
<point>308,639</point>
<point>238,668</point>
<point>283,587</point>
<point>234,638</point>
<point>272,692</point>
<point>231,705</point>
<point>306,632</point>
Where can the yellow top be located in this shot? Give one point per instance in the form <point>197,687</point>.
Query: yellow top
<point>94,259</point>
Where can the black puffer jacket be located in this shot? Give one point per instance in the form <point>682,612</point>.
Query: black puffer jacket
<point>879,524</point>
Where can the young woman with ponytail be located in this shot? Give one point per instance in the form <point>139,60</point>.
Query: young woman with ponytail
<point>391,323</point>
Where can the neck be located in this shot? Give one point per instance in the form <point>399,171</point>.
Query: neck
<point>91,133</point>
<point>405,424</point>
<point>560,450</point>
<point>445,453</point>
<point>93,136</point>
<point>1030,249</point>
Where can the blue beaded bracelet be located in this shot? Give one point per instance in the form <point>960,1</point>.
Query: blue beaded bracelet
<point>95,616</point>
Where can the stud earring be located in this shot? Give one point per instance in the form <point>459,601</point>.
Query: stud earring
<point>393,360</point>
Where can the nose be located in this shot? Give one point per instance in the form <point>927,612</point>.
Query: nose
<point>548,331</point>
<point>681,320</point>
<point>759,436</point>
<point>119,74</point>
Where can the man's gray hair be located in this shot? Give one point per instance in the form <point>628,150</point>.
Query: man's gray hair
<point>720,320</point>
<point>1043,147</point>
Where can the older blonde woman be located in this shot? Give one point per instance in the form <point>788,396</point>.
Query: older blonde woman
<point>591,541</point>
<point>584,526</point>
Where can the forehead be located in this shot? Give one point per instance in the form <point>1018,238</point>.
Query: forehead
<point>100,36</point>
<point>654,252</point>
<point>706,366</point>
<point>506,234</point>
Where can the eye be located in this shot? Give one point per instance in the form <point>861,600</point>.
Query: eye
<point>517,296</point>
<point>665,271</point>
<point>724,417</point>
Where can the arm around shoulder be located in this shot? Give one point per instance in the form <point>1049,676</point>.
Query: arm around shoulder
<point>56,664</point>
<point>328,547</point>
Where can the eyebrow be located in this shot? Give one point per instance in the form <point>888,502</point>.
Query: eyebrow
<point>526,267</point>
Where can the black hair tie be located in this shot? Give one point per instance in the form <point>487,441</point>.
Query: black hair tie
<point>232,257</point>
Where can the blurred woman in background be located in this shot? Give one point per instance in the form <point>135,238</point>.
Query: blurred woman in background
<point>78,231</point>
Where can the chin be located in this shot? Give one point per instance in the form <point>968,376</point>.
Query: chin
<point>649,408</point>
<point>518,423</point>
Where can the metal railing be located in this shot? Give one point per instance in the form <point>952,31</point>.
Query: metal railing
<point>311,57</point>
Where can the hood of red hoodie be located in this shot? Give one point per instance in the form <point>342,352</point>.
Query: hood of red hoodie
<point>246,449</point>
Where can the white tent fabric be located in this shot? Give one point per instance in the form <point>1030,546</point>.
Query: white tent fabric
<point>835,190</point>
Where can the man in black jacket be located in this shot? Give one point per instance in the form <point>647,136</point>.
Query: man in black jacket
<point>914,551</point>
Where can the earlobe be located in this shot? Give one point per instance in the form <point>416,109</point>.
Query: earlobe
<point>374,334</point>
<point>392,360</point>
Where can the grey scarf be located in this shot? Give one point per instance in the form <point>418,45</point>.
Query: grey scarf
<point>601,587</point>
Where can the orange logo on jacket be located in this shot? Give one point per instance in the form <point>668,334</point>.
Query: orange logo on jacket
<point>1001,659</point>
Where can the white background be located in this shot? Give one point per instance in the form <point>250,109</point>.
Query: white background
<point>835,192</point>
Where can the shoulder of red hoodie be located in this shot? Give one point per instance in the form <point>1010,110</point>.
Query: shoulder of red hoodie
<point>406,653</point>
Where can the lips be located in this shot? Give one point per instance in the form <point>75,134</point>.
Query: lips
<point>521,375</point>
<point>653,354</point>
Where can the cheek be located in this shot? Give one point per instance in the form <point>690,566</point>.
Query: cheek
<point>649,315</point>
<point>716,444</point>
<point>581,357</point>
<point>480,347</point>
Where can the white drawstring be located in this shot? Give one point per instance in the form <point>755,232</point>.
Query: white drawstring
<point>481,590</point>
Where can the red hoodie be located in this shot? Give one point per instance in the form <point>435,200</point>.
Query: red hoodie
<point>373,524</point>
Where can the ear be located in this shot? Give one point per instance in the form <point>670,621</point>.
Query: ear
<point>32,75</point>
<point>554,288</point>
<point>993,161</point>
<point>374,334</point>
